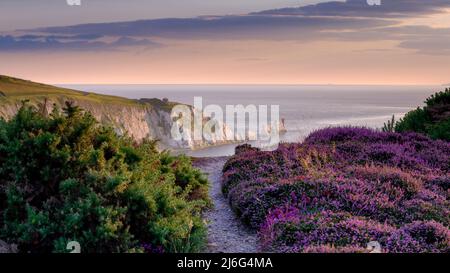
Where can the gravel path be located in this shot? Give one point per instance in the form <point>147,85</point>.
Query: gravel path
<point>226,234</point>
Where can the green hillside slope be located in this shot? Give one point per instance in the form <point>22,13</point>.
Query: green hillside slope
<point>16,90</point>
<point>146,118</point>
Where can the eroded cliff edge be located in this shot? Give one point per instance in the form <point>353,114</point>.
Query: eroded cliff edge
<point>140,119</point>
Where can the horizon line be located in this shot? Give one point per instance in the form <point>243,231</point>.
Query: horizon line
<point>251,84</point>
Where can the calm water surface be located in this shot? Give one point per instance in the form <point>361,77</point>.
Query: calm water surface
<point>304,108</point>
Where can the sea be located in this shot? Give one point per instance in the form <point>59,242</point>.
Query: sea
<point>305,108</point>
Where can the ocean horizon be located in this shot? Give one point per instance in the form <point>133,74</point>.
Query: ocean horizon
<point>305,108</point>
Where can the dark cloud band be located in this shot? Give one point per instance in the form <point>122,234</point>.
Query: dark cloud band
<point>353,20</point>
<point>361,8</point>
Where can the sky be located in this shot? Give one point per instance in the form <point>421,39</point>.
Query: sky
<point>43,13</point>
<point>226,41</point>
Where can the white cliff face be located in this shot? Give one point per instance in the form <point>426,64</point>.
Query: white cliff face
<point>139,120</point>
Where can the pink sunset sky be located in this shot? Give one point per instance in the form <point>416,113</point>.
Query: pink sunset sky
<point>226,42</point>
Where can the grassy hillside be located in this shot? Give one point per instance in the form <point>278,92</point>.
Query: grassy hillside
<point>15,90</point>
<point>140,119</point>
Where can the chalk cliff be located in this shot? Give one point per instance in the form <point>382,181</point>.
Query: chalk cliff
<point>140,119</point>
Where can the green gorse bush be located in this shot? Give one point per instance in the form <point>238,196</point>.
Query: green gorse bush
<point>64,177</point>
<point>433,119</point>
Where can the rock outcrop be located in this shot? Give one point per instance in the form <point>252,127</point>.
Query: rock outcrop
<point>143,119</point>
<point>139,119</point>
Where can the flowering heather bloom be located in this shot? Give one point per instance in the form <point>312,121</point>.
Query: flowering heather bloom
<point>151,248</point>
<point>385,174</point>
<point>343,134</point>
<point>430,237</point>
<point>439,184</point>
<point>270,232</point>
<point>251,201</point>
<point>342,188</point>
<point>332,249</point>
<point>428,206</point>
<point>294,231</point>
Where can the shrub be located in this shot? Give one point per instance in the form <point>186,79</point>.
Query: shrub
<point>388,175</point>
<point>439,98</point>
<point>433,119</point>
<point>333,249</point>
<point>67,178</point>
<point>420,237</point>
<point>348,185</point>
<point>440,130</point>
<point>414,121</point>
<point>294,231</point>
<point>390,125</point>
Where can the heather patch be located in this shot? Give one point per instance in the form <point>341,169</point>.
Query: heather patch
<point>417,237</point>
<point>342,188</point>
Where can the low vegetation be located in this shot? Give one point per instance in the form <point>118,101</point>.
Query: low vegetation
<point>343,188</point>
<point>64,177</point>
<point>433,119</point>
<point>15,90</point>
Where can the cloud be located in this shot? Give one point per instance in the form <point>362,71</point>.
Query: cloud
<point>223,27</point>
<point>353,20</point>
<point>422,39</point>
<point>31,42</point>
<point>60,37</point>
<point>435,45</point>
<point>360,8</point>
